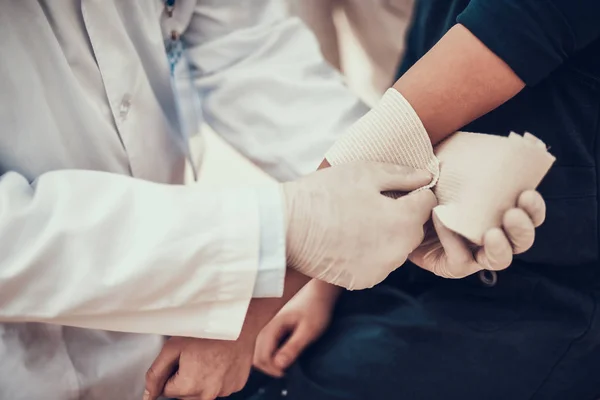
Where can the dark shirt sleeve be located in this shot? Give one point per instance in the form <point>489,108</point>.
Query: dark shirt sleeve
<point>533,37</point>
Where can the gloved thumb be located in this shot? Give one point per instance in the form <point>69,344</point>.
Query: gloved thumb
<point>390,177</point>
<point>291,349</point>
<point>418,204</point>
<point>456,248</point>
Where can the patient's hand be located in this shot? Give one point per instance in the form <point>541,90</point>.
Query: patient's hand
<point>450,256</point>
<point>207,369</point>
<point>300,322</point>
<point>199,368</point>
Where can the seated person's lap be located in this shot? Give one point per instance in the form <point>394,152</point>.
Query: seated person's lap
<point>420,337</point>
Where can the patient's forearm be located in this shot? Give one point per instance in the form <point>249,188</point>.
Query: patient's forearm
<point>325,291</point>
<point>456,82</point>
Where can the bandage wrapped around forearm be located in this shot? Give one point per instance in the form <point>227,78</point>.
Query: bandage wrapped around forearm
<point>390,133</point>
<point>476,177</point>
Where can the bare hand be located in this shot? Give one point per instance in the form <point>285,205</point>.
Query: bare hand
<point>303,320</point>
<point>199,369</point>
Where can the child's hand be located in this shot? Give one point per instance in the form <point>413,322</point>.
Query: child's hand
<point>449,255</point>
<point>300,322</point>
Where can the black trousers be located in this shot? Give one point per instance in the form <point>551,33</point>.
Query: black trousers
<point>526,336</point>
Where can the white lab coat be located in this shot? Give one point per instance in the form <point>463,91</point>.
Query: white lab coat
<point>377,26</point>
<point>97,229</point>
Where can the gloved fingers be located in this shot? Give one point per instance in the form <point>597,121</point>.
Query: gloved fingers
<point>532,202</point>
<point>390,177</point>
<point>430,239</point>
<point>460,261</point>
<point>160,371</point>
<point>293,346</point>
<point>417,205</point>
<point>413,211</point>
<point>519,230</point>
<point>267,344</point>
<point>496,253</point>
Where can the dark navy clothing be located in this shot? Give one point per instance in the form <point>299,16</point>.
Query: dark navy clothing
<point>418,337</point>
<point>554,46</point>
<point>535,333</point>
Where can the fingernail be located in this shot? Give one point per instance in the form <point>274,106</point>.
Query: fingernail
<point>146,395</point>
<point>281,361</point>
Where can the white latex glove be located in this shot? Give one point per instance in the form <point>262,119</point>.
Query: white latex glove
<point>484,185</point>
<point>342,230</point>
<point>449,255</point>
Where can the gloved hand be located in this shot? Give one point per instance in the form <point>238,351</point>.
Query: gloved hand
<point>448,255</point>
<point>342,230</point>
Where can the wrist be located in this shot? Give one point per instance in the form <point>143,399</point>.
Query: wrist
<point>324,164</point>
<point>324,291</point>
<point>261,311</point>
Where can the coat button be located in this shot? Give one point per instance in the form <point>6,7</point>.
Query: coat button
<point>125,106</point>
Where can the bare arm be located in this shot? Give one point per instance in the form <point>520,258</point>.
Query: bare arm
<point>456,82</point>
<point>261,311</point>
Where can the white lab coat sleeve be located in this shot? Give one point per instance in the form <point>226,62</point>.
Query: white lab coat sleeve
<point>104,251</point>
<point>270,278</point>
<point>264,85</point>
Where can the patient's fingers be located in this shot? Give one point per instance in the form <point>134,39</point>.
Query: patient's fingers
<point>534,205</point>
<point>267,344</point>
<point>293,346</point>
<point>161,370</point>
<point>519,229</point>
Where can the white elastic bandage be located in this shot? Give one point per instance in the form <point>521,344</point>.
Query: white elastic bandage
<point>482,176</point>
<point>390,133</point>
<point>476,177</point>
